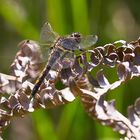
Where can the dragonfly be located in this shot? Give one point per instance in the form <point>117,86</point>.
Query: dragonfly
<point>61,47</point>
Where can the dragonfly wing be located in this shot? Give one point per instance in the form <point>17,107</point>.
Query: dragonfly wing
<point>46,52</point>
<point>47,36</point>
<point>87,41</point>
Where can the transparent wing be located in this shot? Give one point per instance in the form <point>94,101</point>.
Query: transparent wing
<point>87,41</point>
<point>47,35</point>
<point>47,38</point>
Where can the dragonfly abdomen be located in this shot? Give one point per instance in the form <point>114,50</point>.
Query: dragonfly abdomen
<point>55,54</point>
<point>40,79</point>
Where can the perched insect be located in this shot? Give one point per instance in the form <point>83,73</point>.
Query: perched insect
<point>61,46</point>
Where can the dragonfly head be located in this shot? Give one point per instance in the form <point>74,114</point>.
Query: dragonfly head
<point>76,36</point>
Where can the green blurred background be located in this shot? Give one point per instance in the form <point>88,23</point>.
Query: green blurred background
<point>111,20</point>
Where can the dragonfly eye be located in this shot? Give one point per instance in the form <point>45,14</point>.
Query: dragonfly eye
<point>76,35</point>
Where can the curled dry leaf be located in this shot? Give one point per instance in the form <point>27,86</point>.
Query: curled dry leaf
<point>78,80</point>
<point>27,61</point>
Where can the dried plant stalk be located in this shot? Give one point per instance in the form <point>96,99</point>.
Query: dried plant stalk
<point>15,89</point>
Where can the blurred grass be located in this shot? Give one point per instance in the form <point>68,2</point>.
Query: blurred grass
<point>15,15</point>
<point>23,19</point>
<point>80,17</point>
<point>55,14</point>
<point>44,126</point>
